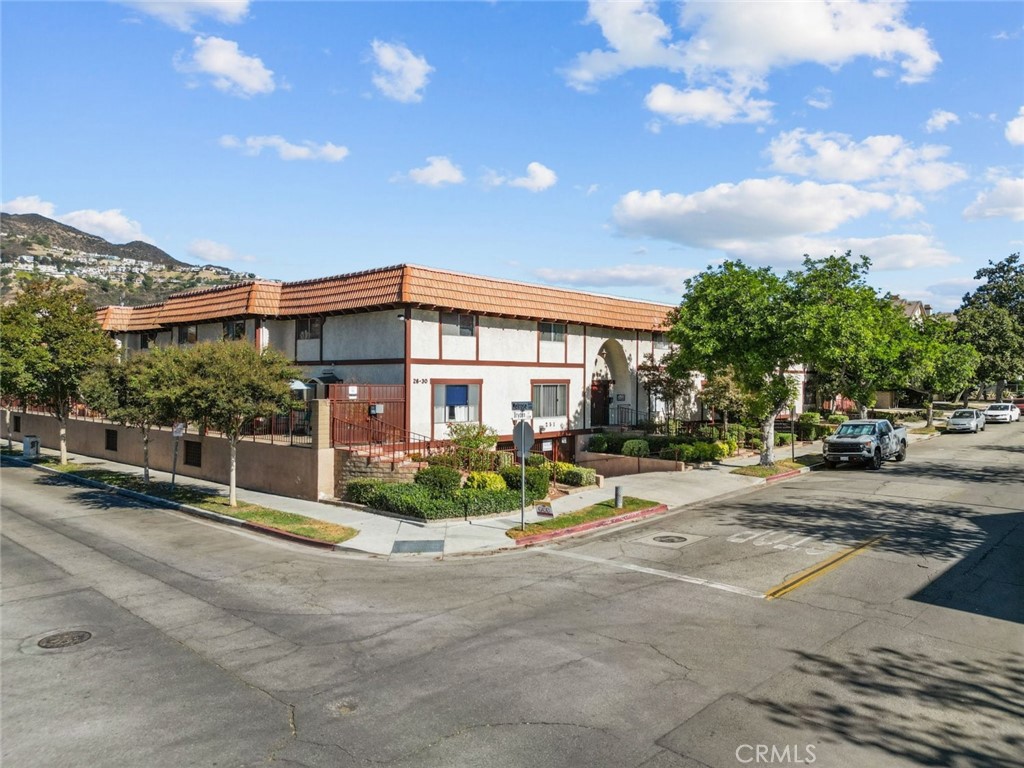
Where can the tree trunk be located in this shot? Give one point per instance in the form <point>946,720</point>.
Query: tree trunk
<point>931,411</point>
<point>862,409</point>
<point>768,436</point>
<point>145,456</point>
<point>232,499</point>
<point>10,424</point>
<point>63,439</point>
<point>1000,388</point>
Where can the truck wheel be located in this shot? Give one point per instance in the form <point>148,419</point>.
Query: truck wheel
<point>876,460</point>
<point>902,455</point>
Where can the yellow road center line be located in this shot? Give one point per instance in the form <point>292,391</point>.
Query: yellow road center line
<point>820,569</point>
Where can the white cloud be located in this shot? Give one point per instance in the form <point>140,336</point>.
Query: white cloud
<point>1005,199</point>
<point>111,225</point>
<point>1015,129</point>
<point>626,274</point>
<point>538,178</point>
<point>308,150</point>
<point>732,47</point>
<point>940,120</point>
<point>637,37</point>
<point>182,14</point>
<point>757,37</point>
<point>754,209</point>
<point>402,75</point>
<point>710,105</point>
<point>820,98</point>
<point>213,252</point>
<point>438,171</point>
<point>29,204</point>
<point>232,70</point>
<point>890,162</point>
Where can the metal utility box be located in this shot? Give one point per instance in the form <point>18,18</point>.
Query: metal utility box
<point>376,409</point>
<point>30,447</point>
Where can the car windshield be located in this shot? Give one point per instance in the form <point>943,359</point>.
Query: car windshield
<point>999,407</point>
<point>963,414</point>
<point>855,430</point>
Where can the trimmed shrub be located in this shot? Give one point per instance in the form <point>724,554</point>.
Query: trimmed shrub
<point>719,450</point>
<point>484,501</point>
<point>538,480</point>
<point>536,460</point>
<point>838,418</point>
<point>783,438</point>
<point>658,443</point>
<point>597,444</point>
<point>443,460</point>
<point>439,480</point>
<point>733,445</point>
<point>674,452</point>
<point>638,448</point>
<point>488,481</point>
<point>413,501</point>
<point>578,476</point>
<point>359,490</point>
<point>756,443</point>
<point>810,418</point>
<point>615,443</point>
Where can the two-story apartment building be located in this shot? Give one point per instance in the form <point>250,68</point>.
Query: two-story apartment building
<point>454,347</point>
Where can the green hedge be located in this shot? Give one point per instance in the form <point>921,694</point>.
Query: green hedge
<point>783,438</point>
<point>358,491</point>
<point>439,480</point>
<point>598,443</point>
<point>538,480</point>
<point>414,500</point>
<point>838,418</point>
<point>489,481</point>
<point>578,476</point>
<point>638,448</point>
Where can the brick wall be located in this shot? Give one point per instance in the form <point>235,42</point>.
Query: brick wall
<point>351,466</point>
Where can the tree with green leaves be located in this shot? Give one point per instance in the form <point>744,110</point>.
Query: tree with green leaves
<point>744,318</point>
<point>856,340</point>
<point>661,383</point>
<point>142,392</point>
<point>940,363</point>
<point>227,384</point>
<point>991,319</point>
<point>51,341</point>
<point>721,392</point>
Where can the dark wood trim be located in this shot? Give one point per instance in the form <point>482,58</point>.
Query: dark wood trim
<point>476,335</point>
<point>502,363</point>
<point>367,361</point>
<point>440,341</point>
<point>586,384</point>
<point>407,366</point>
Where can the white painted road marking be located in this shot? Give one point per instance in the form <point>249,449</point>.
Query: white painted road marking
<point>655,572</point>
<point>764,539</point>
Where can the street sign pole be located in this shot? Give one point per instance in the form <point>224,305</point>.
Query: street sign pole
<point>177,431</point>
<point>522,438</point>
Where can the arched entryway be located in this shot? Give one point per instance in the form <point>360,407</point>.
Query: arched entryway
<point>610,377</point>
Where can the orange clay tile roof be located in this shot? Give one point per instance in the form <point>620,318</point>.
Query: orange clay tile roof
<point>390,287</point>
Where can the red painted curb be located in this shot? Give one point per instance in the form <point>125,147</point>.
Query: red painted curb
<point>635,515</point>
<point>287,536</point>
<point>784,475</point>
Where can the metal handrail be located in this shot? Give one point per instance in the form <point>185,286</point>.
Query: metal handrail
<point>378,439</point>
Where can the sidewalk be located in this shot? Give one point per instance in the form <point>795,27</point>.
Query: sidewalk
<point>387,537</point>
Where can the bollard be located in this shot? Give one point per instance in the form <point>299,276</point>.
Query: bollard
<point>618,497</point>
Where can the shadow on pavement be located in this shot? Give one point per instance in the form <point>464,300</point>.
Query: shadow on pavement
<point>912,705</point>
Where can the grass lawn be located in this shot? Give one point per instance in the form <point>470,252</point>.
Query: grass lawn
<point>597,511</point>
<point>784,465</point>
<point>926,431</point>
<point>311,528</point>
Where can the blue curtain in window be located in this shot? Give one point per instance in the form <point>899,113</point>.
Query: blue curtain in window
<point>456,394</point>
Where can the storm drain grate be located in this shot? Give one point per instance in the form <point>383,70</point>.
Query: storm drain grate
<point>64,639</point>
<point>671,539</point>
<point>416,547</point>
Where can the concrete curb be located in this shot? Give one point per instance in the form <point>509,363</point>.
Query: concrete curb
<point>157,501</point>
<point>638,514</point>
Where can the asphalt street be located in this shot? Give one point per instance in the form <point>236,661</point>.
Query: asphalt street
<point>843,618</point>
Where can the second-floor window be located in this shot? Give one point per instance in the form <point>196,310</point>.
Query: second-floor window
<point>308,328</point>
<point>455,324</point>
<point>188,334</point>
<point>234,330</point>
<point>552,331</point>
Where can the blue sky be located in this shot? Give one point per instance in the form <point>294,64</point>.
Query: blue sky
<point>614,147</point>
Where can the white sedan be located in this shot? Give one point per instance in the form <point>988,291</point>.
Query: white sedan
<point>1002,412</point>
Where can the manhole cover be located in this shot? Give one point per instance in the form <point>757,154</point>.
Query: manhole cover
<point>670,539</point>
<point>64,639</point>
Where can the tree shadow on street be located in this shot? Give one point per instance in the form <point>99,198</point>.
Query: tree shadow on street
<point>912,705</point>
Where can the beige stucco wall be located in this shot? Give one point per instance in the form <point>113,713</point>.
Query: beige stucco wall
<point>301,472</point>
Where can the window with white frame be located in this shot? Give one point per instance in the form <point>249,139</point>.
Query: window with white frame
<point>552,331</point>
<point>455,324</point>
<point>456,402</point>
<point>308,328</point>
<point>549,400</point>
